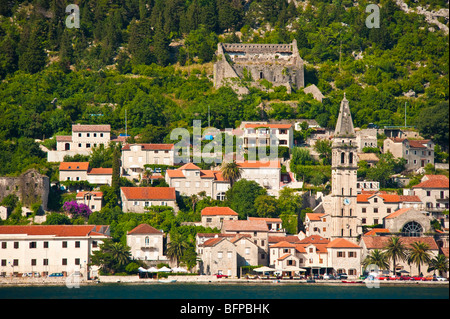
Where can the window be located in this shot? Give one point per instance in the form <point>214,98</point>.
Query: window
<point>101,134</point>
<point>77,244</point>
<point>363,220</point>
<point>364,210</point>
<point>33,262</point>
<point>375,221</point>
<point>64,244</point>
<point>3,262</point>
<point>94,244</point>
<point>15,262</point>
<point>412,229</point>
<point>4,245</point>
<point>77,261</point>
<point>375,210</point>
<point>135,203</point>
<point>428,193</point>
<point>341,254</point>
<point>220,254</point>
<point>388,210</point>
<point>16,245</point>
<point>375,200</point>
<point>64,261</point>
<point>33,244</point>
<point>88,134</point>
<point>247,251</point>
<point>79,134</point>
<point>350,158</point>
<point>45,262</point>
<point>208,219</point>
<point>229,254</point>
<point>342,158</point>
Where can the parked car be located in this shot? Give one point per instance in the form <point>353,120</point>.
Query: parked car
<point>418,278</point>
<point>56,274</point>
<point>342,276</point>
<point>406,278</point>
<point>221,276</point>
<point>439,278</point>
<point>328,277</point>
<point>394,277</point>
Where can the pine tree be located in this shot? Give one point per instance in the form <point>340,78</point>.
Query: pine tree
<point>33,57</point>
<point>161,45</point>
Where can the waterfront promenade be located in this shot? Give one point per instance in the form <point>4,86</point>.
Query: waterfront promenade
<point>44,281</point>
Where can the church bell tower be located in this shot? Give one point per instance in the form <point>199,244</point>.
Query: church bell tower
<point>344,223</point>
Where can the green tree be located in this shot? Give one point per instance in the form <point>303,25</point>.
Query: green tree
<point>395,250</point>
<point>231,172</point>
<point>32,57</point>
<point>378,258</point>
<point>439,263</point>
<point>419,254</point>
<point>323,147</point>
<point>266,206</point>
<point>112,257</point>
<point>176,247</point>
<point>241,197</point>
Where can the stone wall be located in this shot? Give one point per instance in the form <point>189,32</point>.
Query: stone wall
<point>30,187</point>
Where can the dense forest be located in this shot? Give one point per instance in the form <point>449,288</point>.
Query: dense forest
<point>153,59</point>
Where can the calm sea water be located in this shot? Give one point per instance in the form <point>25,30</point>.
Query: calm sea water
<point>232,291</point>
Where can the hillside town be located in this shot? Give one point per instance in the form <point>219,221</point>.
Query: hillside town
<point>341,229</point>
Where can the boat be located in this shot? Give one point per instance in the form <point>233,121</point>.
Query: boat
<point>167,280</point>
<point>352,281</point>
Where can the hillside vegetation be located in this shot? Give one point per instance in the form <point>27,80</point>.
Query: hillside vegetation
<point>154,59</point>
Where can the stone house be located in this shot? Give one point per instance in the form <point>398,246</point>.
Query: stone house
<point>417,153</point>
<point>369,243</point>
<point>366,138</point>
<point>433,191</point>
<point>135,156</point>
<point>84,137</point>
<point>189,180</point>
<point>258,231</point>
<point>94,200</point>
<point>345,257</point>
<point>267,174</point>
<point>30,187</point>
<point>317,224</point>
<point>275,225</point>
<point>214,216</point>
<point>146,243</point>
<point>226,254</point>
<point>262,134</point>
<point>80,171</point>
<point>136,199</point>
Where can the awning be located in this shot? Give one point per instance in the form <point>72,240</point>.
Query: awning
<point>263,269</point>
<point>164,269</point>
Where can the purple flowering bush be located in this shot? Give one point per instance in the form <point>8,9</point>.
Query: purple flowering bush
<point>77,209</point>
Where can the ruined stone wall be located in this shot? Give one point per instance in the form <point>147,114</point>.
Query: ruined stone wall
<point>30,187</point>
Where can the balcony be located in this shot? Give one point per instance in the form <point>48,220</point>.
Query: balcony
<point>441,198</point>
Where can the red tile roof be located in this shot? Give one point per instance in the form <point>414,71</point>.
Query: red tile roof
<point>100,171</point>
<point>54,230</point>
<point>290,239</point>
<point>189,166</point>
<point>244,225</point>
<point>314,216</point>
<point>285,126</point>
<point>74,166</point>
<point>148,193</point>
<point>144,229</point>
<point>91,128</point>
<point>374,231</point>
<point>267,220</point>
<point>433,181</point>
<point>398,212</point>
<point>282,244</point>
<point>214,211</point>
<point>64,138</point>
<point>342,243</point>
<point>260,164</point>
<point>82,194</point>
<point>379,242</point>
<point>314,239</point>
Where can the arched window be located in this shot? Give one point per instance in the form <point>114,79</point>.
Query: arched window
<point>350,158</point>
<point>412,229</point>
<point>67,147</point>
<point>342,158</point>
<point>147,240</point>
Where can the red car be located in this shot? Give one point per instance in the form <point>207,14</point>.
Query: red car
<point>406,278</point>
<point>383,277</point>
<point>221,276</point>
<point>394,278</point>
<point>418,278</point>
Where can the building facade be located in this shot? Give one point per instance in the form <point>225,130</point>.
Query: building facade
<point>417,153</point>
<point>137,199</point>
<point>146,243</point>
<point>50,249</point>
<point>214,216</point>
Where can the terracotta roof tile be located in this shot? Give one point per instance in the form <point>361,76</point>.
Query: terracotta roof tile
<point>244,225</point>
<point>314,216</point>
<point>374,231</point>
<point>259,164</point>
<point>100,171</point>
<point>282,126</point>
<point>267,220</point>
<point>215,211</point>
<point>148,193</point>
<point>290,239</point>
<point>74,166</point>
<point>143,229</point>
<point>55,230</point>
<point>433,181</point>
<point>91,128</point>
<point>95,194</point>
<point>314,239</point>
<point>342,243</point>
<point>379,242</point>
<point>398,212</point>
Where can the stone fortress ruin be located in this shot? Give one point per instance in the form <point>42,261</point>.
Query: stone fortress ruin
<point>241,65</point>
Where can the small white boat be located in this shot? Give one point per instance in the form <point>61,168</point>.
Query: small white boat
<point>167,280</point>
